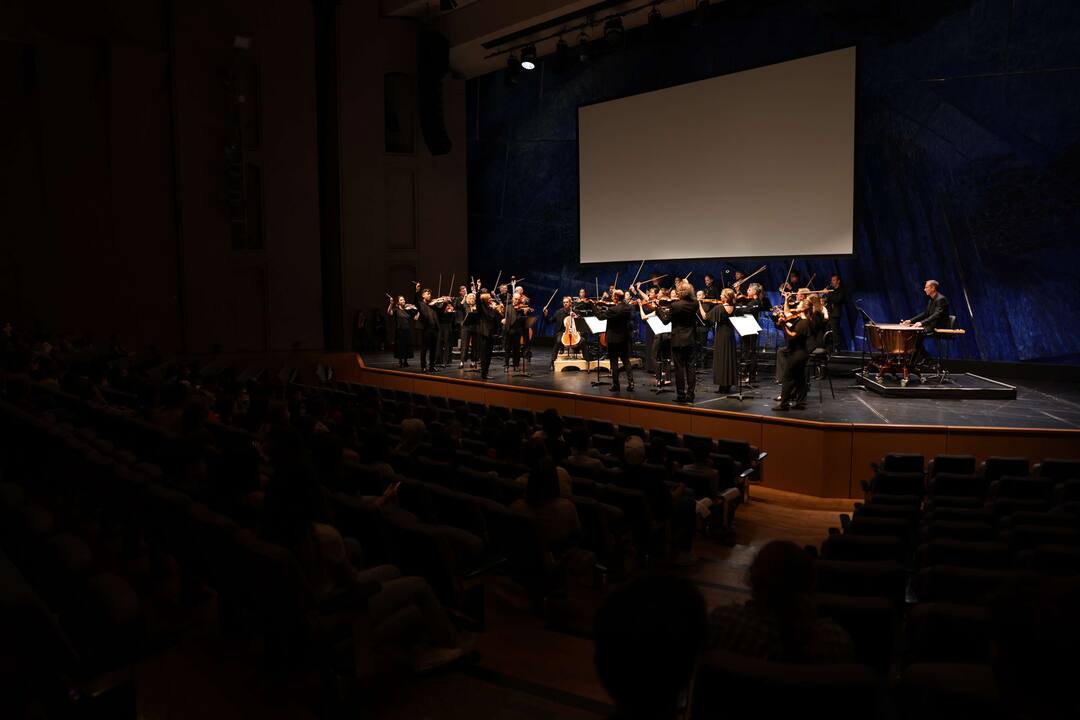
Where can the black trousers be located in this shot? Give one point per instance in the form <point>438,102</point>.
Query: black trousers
<point>661,351</point>
<point>617,351</point>
<point>834,327</point>
<point>512,348</point>
<point>748,346</point>
<point>429,339</point>
<point>782,358</point>
<point>468,344</point>
<point>443,349</point>
<point>795,377</point>
<point>685,375</point>
<point>485,346</point>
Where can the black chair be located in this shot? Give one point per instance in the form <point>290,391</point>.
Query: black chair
<point>870,621</point>
<point>900,463</point>
<point>862,579</point>
<point>957,490</point>
<point>818,365</point>
<point>629,430</point>
<point>670,437</point>
<point>994,468</point>
<point>1058,470</point>
<point>949,583</point>
<point>988,555</point>
<point>732,685</point>
<point>947,632</point>
<point>955,464</point>
<point>937,691</point>
<point>600,427</point>
<point>863,548</point>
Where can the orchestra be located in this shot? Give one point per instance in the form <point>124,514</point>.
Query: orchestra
<point>702,324</point>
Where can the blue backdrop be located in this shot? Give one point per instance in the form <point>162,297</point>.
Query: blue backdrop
<point>967,161</point>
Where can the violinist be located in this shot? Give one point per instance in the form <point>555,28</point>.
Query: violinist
<point>794,280</point>
<point>515,316</point>
<point>565,321</point>
<point>468,318</point>
<point>683,316</point>
<point>834,304</point>
<point>429,328</point>
<point>401,315</point>
<point>787,314</point>
<point>658,347</point>
<point>725,363</point>
<point>737,280</point>
<point>618,316</point>
<point>711,290</point>
<point>701,334</point>
<point>447,314</point>
<point>583,306</point>
<point>797,330</point>
<point>752,304</point>
<point>489,314</point>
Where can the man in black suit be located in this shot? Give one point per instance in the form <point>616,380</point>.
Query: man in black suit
<point>936,315</point>
<point>487,327</point>
<point>618,318</point>
<point>429,328</point>
<point>683,316</point>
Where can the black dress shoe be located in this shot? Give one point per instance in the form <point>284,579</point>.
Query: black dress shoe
<point>778,398</point>
<point>799,406</point>
<point>614,388</point>
<point>680,399</point>
<point>782,407</point>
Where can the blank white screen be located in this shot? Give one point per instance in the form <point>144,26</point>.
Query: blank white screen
<point>751,164</point>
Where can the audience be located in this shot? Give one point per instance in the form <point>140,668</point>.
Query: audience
<point>779,623</point>
<point>649,636</point>
<point>554,517</point>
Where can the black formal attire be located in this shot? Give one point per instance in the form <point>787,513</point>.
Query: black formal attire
<point>487,327</point>
<point>429,333</point>
<point>468,318</point>
<point>659,351</point>
<point>748,344</point>
<point>725,363</point>
<point>402,320</point>
<point>936,315</point>
<point>815,338</point>
<point>712,292</point>
<point>515,332</point>
<point>619,318</point>
<point>795,369</point>
<point>683,316</point>
<point>446,327</point>
<point>558,320</point>
<point>834,303</point>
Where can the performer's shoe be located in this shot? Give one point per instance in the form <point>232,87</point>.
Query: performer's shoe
<point>630,387</point>
<point>461,366</point>
<point>614,388</point>
<point>782,407</point>
<point>799,406</point>
<point>778,398</point>
<point>680,399</point>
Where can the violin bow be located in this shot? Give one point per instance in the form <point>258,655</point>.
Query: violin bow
<point>756,272</point>
<point>616,283</point>
<point>787,278</point>
<point>688,276</point>
<point>495,287</point>
<point>450,288</point>
<point>597,281</point>
<point>440,286</point>
<point>638,273</point>
<point>810,282</point>
<point>551,298</point>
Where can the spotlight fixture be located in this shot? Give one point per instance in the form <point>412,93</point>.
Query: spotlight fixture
<point>528,57</point>
<point>613,30</point>
<point>512,69</point>
<point>583,46</point>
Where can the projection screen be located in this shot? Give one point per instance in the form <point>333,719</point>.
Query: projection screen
<point>753,164</point>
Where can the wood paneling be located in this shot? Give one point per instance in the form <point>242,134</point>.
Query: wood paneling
<point>748,430</point>
<point>612,412</point>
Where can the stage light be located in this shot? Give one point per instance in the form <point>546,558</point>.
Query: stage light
<point>613,31</point>
<point>528,57</point>
<point>583,46</point>
<point>512,69</point>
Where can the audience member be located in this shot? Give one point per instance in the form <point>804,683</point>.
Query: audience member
<point>649,636</point>
<point>779,623</point>
<point>554,517</point>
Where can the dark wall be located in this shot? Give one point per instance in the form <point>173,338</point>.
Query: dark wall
<point>967,157</point>
<point>116,208</point>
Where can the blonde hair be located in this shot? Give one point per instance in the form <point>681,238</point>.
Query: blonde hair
<point>684,289</point>
<point>727,295</point>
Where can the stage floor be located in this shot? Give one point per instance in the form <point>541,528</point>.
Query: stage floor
<point>1042,404</point>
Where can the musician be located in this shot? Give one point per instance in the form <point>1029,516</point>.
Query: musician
<point>936,315</point>
<point>682,314</point>
<point>737,280</point>
<point>711,291</point>
<point>619,334</point>
<point>489,315</point>
<point>834,305</point>
<point>468,318</point>
<point>725,363</point>
<point>447,313</point>
<point>753,304</point>
<point>517,315</point>
<point>794,280</point>
<point>429,328</point>
<point>402,316</point>
<point>558,319</point>
<point>797,333</point>
<point>659,346</point>
<point>701,335</point>
<point>583,305</point>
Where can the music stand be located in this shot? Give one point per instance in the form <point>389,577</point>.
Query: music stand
<point>744,325</point>
<point>596,326</point>
<point>660,328</point>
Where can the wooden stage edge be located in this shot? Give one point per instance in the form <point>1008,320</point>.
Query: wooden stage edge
<point>822,459</point>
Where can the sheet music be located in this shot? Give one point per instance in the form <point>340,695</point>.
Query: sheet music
<point>745,325</point>
<point>658,326</point>
<point>596,325</point>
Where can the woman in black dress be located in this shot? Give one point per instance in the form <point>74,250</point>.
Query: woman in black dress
<point>798,333</point>
<point>725,363</point>
<point>402,316</point>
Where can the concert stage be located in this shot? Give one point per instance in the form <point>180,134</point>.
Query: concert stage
<point>824,450</point>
